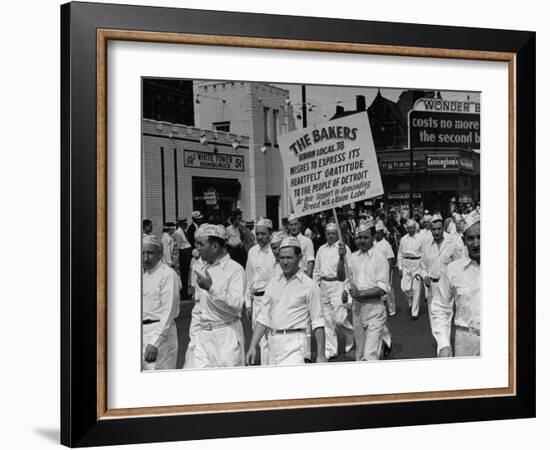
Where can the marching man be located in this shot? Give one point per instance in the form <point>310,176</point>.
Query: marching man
<point>436,256</point>
<point>259,270</point>
<point>383,246</point>
<point>275,243</point>
<point>292,301</point>
<point>308,253</point>
<point>161,303</point>
<point>326,277</point>
<point>368,284</point>
<point>220,292</point>
<point>460,285</point>
<point>408,262</point>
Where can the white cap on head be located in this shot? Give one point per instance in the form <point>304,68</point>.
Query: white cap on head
<point>436,218</point>
<point>364,225</point>
<point>290,241</point>
<point>380,226</point>
<point>151,239</point>
<point>292,217</point>
<point>473,218</point>
<point>265,223</point>
<point>411,223</point>
<point>331,226</point>
<point>278,236</point>
<point>211,230</point>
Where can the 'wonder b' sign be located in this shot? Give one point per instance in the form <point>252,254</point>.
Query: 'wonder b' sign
<point>330,164</point>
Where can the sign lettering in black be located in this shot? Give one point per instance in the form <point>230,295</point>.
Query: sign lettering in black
<point>430,129</point>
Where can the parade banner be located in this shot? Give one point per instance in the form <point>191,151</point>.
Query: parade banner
<point>331,164</point>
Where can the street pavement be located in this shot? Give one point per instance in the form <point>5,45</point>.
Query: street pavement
<point>410,338</point>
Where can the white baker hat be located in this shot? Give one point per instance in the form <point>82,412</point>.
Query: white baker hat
<point>364,225</point>
<point>380,226</point>
<point>151,239</point>
<point>290,241</point>
<point>266,223</point>
<point>473,218</point>
<point>212,230</point>
<point>278,236</point>
<point>331,226</point>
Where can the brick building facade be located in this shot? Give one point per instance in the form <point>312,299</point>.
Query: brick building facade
<point>178,165</point>
<point>262,112</point>
<point>231,156</point>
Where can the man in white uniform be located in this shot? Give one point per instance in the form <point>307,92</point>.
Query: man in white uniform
<point>408,263</point>
<point>292,302</point>
<point>168,246</point>
<point>326,277</point>
<point>382,246</point>
<point>161,302</point>
<point>184,253</point>
<point>436,256</point>
<point>458,235</point>
<point>368,284</point>
<point>308,253</point>
<point>259,270</point>
<point>220,292</point>
<point>195,325</point>
<point>425,230</point>
<point>460,285</point>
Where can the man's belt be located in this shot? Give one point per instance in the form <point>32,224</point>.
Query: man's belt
<point>149,321</point>
<point>288,331</point>
<point>411,257</point>
<point>469,330</point>
<point>209,326</point>
<point>329,278</point>
<point>259,294</point>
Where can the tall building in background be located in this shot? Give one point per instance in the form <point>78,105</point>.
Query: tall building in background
<point>262,112</point>
<point>168,100</point>
<point>443,177</point>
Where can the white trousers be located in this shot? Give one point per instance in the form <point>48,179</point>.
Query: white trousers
<point>466,343</point>
<point>430,292</point>
<point>219,347</point>
<point>287,349</point>
<point>336,317</point>
<point>369,324</point>
<point>411,284</point>
<point>167,351</point>
<point>257,305</point>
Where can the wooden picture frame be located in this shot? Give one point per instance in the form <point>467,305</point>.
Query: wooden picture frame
<point>85,417</point>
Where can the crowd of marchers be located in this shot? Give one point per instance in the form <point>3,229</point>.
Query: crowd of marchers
<point>315,279</point>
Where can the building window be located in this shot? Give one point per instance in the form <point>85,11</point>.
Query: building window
<point>275,125</point>
<point>222,126</point>
<point>266,126</point>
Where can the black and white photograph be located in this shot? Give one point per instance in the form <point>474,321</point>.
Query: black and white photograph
<point>286,224</point>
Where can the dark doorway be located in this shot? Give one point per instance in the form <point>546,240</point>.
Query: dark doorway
<point>272,210</point>
<point>227,192</point>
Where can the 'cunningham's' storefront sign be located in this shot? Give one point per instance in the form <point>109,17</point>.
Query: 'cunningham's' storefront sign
<point>217,161</point>
<point>448,162</point>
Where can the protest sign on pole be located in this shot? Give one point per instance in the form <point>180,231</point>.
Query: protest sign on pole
<point>331,164</point>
